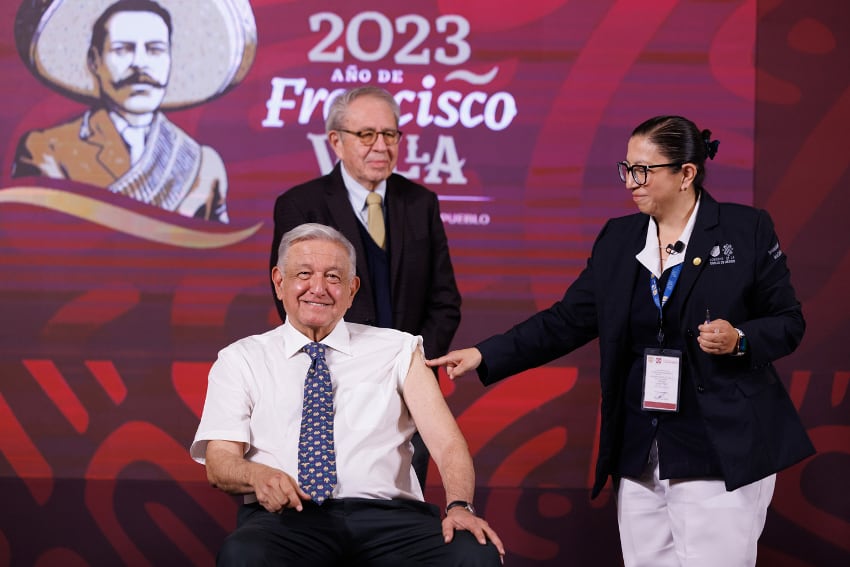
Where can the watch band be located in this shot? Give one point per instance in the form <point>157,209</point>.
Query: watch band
<point>460,504</point>
<point>741,344</point>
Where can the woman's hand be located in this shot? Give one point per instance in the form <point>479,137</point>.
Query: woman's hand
<point>717,337</point>
<point>457,362</point>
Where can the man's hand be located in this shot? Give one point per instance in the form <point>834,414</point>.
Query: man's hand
<point>277,490</point>
<point>463,519</point>
<point>228,470</point>
<point>457,362</point>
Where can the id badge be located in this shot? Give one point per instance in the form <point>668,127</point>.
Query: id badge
<point>662,375</point>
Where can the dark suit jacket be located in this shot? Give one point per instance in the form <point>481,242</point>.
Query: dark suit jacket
<point>425,298</point>
<point>734,267</point>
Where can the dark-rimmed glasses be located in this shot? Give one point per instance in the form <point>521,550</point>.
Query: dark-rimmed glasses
<point>369,137</point>
<point>639,172</point>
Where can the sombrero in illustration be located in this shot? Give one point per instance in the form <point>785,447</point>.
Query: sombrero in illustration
<point>213,43</point>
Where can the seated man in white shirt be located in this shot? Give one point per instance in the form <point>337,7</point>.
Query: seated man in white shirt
<point>366,506</point>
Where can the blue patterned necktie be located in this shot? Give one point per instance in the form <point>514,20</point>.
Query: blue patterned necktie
<point>316,454</point>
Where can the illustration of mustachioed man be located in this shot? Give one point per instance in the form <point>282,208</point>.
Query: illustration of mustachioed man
<point>139,58</point>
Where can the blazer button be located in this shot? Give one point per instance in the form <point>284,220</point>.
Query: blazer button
<point>700,388</point>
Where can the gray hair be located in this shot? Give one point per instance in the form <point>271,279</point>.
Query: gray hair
<point>339,106</point>
<point>316,231</point>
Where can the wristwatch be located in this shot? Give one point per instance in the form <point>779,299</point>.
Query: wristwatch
<point>741,345</point>
<point>460,504</point>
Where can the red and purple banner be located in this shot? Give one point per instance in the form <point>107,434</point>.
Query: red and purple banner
<point>123,271</point>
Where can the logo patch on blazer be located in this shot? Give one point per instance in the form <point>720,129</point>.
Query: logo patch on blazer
<point>775,252</point>
<point>720,255</point>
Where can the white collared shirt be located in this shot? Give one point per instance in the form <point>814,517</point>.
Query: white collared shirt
<point>133,136</point>
<point>650,256</point>
<point>357,196</point>
<point>255,393</point>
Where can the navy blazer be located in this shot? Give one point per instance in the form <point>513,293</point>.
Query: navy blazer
<point>734,267</point>
<point>425,297</point>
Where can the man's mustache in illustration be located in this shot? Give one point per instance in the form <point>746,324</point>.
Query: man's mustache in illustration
<point>138,78</point>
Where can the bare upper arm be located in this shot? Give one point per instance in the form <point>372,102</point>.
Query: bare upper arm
<point>428,407</point>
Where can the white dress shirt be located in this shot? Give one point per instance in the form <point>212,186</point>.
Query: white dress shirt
<point>357,196</point>
<point>133,136</point>
<point>255,393</point>
<point>650,256</point>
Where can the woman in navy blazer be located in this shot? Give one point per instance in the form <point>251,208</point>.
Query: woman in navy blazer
<point>691,301</point>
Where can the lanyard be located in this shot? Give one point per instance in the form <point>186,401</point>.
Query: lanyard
<point>659,302</point>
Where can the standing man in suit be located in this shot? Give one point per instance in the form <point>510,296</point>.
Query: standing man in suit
<point>406,275</point>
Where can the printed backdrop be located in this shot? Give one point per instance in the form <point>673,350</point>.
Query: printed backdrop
<point>112,310</point>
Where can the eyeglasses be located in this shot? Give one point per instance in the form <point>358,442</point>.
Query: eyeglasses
<point>639,172</point>
<point>369,137</point>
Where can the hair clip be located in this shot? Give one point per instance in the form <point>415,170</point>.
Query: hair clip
<point>711,147</point>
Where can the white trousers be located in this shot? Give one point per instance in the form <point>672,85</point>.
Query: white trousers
<point>690,523</point>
